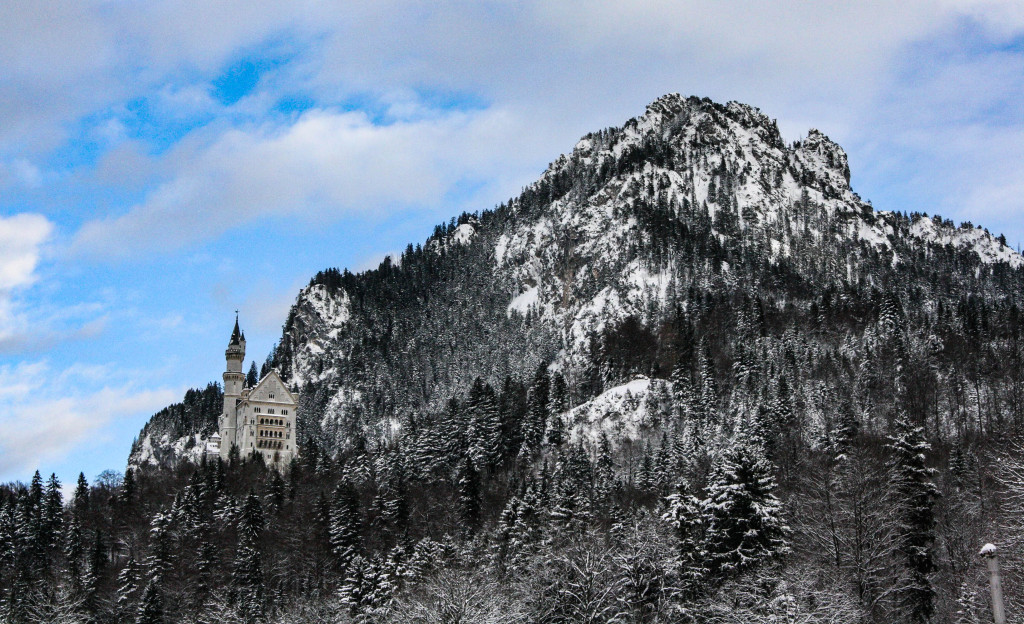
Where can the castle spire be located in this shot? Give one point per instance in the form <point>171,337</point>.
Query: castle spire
<point>236,335</point>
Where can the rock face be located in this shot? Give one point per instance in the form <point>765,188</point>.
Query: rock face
<point>690,202</point>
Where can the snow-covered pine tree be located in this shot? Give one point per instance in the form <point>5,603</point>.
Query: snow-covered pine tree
<point>469,496</point>
<point>248,578</point>
<point>743,516</point>
<point>685,514</point>
<point>485,442</point>
<point>151,608</point>
<point>557,406</point>
<point>81,499</point>
<point>916,496</point>
<point>344,531</point>
<point>127,588</point>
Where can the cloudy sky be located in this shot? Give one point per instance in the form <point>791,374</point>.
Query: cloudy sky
<point>163,164</point>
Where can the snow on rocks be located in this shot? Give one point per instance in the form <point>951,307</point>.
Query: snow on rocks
<point>623,412</point>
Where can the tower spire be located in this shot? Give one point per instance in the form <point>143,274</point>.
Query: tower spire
<point>236,335</point>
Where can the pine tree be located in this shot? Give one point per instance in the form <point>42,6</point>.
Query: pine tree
<point>742,514</point>
<point>74,549</point>
<point>685,514</point>
<point>81,500</point>
<point>252,377</point>
<point>53,511</point>
<point>275,492</point>
<point>206,565</point>
<point>151,609</point>
<point>604,470</point>
<point>469,496</point>
<point>708,398</point>
<point>537,412</point>
<point>485,440</point>
<point>127,587</point>
<point>917,496</point>
<point>344,530</point>
<point>248,563</point>
<point>356,593</point>
<point>128,488</point>
<point>162,551</point>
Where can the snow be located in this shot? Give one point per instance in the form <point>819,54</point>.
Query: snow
<point>622,412</point>
<point>334,308</point>
<point>988,550</point>
<point>869,233</point>
<point>463,234</point>
<point>524,301</point>
<point>987,248</point>
<point>499,250</point>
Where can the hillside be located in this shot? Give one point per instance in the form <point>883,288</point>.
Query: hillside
<point>693,213</point>
<point>687,375</point>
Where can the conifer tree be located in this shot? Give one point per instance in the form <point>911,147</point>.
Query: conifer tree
<point>708,399</point>
<point>275,493</point>
<point>248,563</point>
<point>742,514</point>
<point>604,470</point>
<point>537,412</point>
<point>252,377</point>
<point>686,515</point>
<point>53,511</point>
<point>344,531</point>
<point>127,587</point>
<point>81,500</point>
<point>162,551</point>
<point>128,488</point>
<point>485,442</point>
<point>206,566</point>
<point>917,496</point>
<point>74,549</point>
<point>151,609</point>
<point>469,496</point>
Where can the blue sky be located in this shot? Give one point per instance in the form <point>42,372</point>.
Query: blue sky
<point>162,165</point>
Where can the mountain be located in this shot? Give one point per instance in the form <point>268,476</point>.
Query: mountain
<point>691,246</point>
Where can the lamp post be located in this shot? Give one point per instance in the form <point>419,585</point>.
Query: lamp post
<point>990,553</point>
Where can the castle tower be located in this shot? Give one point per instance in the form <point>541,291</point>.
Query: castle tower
<point>234,378</point>
<point>234,381</point>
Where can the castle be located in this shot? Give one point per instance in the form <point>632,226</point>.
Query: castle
<point>258,419</point>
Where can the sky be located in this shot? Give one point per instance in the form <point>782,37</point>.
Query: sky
<point>163,164</point>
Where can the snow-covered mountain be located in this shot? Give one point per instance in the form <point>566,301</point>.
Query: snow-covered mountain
<point>693,210</point>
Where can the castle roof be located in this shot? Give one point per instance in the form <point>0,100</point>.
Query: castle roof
<point>236,336</point>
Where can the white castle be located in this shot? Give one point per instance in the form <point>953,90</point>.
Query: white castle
<point>260,419</point>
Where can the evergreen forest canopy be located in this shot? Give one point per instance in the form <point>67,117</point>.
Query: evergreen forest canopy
<point>812,415</point>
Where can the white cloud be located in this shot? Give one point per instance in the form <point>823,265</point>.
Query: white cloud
<point>43,417</point>
<point>323,165</point>
<point>22,237</point>
<point>550,71</point>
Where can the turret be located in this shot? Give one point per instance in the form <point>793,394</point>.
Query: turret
<point>234,378</point>
<point>234,381</point>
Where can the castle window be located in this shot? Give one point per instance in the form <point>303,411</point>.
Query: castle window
<point>284,412</point>
<point>271,395</point>
<point>270,411</point>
